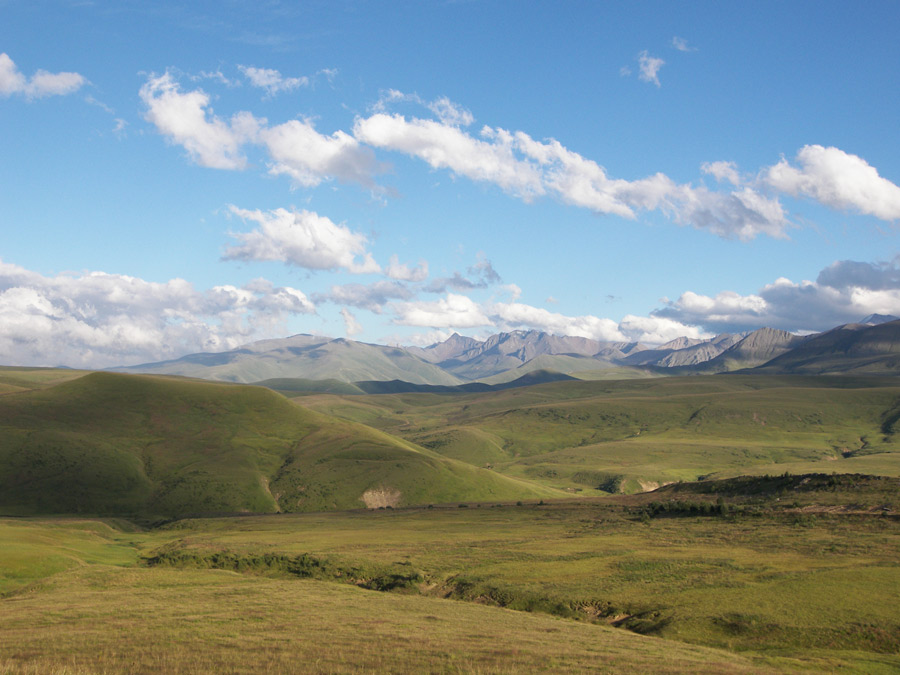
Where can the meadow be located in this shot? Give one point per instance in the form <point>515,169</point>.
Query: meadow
<point>546,554</point>
<point>628,436</point>
<point>780,574</point>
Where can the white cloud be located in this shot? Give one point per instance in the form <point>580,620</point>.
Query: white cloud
<point>351,325</point>
<point>722,171</point>
<point>844,292</point>
<point>185,119</point>
<point>445,146</point>
<point>513,315</point>
<point>451,113</point>
<point>527,168</point>
<point>452,311</point>
<point>39,85</point>
<point>308,157</point>
<point>271,80</point>
<point>97,320</point>
<point>301,238</point>
<point>656,330</point>
<point>838,180</point>
<point>743,213</point>
<point>294,148</point>
<point>418,339</point>
<point>649,67</point>
<point>402,272</point>
<point>681,45</point>
<point>459,312</point>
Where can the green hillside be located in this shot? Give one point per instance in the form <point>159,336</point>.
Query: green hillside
<point>303,356</point>
<point>122,444</point>
<point>635,435</point>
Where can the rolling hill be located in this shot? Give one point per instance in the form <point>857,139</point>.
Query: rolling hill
<point>638,434</point>
<point>303,356</point>
<point>119,444</point>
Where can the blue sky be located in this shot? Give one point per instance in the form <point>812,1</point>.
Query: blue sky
<point>191,177</point>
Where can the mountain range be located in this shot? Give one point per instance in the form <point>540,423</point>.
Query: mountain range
<point>871,346</point>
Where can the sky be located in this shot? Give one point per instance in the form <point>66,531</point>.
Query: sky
<point>187,177</point>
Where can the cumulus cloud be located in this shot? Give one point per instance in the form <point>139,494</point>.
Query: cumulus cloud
<point>351,325</point>
<point>657,330</point>
<point>301,238</point>
<point>308,157</point>
<point>722,171</point>
<point>371,297</point>
<point>528,168</point>
<point>460,312</point>
<point>445,146</point>
<point>271,80</point>
<point>293,148</point>
<point>838,180</point>
<point>402,271</point>
<point>853,274</point>
<point>185,118</point>
<point>39,85</point>
<point>96,320</point>
<point>649,67</point>
<point>452,311</point>
<point>514,315</point>
<point>844,292</point>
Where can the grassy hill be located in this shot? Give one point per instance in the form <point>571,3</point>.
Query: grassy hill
<point>303,356</point>
<point>121,444</point>
<point>635,435</point>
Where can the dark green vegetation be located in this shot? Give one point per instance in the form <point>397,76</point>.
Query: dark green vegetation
<point>629,436</point>
<point>149,446</point>
<point>783,556</point>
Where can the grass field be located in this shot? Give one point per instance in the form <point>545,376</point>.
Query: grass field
<point>785,573</point>
<point>627,436</point>
<point>100,612</point>
<point>766,572</point>
<point>114,444</point>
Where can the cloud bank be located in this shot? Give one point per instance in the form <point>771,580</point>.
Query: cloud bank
<point>98,320</point>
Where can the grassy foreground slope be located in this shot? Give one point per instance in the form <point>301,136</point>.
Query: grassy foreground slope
<point>102,613</point>
<point>122,444</point>
<point>633,435</point>
<point>780,568</point>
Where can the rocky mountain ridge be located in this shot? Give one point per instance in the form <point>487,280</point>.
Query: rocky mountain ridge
<point>872,345</point>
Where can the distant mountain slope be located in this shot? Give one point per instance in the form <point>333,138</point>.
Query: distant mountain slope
<point>683,352</point>
<point>559,363</point>
<point>755,349</point>
<point>853,348</point>
<point>477,360</point>
<point>304,356</point>
<point>874,319</point>
<point>122,444</point>
<point>500,358</point>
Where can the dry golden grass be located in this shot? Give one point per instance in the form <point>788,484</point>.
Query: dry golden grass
<point>102,619</point>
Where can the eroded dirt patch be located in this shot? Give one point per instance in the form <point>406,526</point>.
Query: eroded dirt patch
<point>381,498</point>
